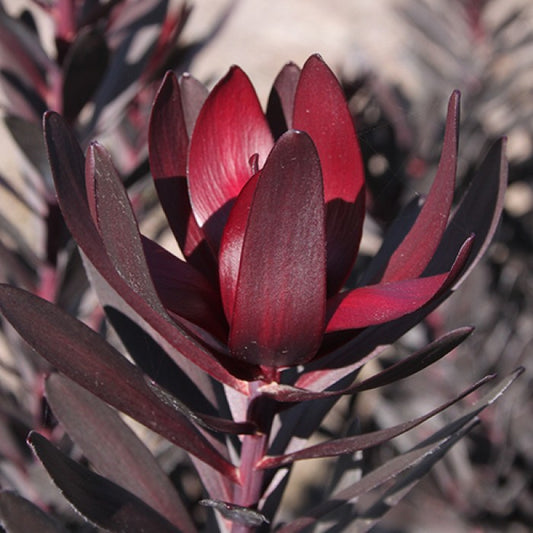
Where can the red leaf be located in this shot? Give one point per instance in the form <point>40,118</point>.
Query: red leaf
<point>101,501</point>
<point>230,129</point>
<point>478,212</point>
<point>67,162</point>
<point>193,97</point>
<point>345,445</point>
<point>278,316</point>
<point>281,101</point>
<point>114,450</point>
<point>87,359</point>
<point>320,109</point>
<point>173,115</point>
<point>376,304</point>
<point>231,245</point>
<point>402,369</point>
<point>416,250</point>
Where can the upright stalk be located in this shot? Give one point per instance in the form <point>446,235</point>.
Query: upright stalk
<point>254,448</point>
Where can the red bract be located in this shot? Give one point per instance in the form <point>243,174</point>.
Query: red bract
<point>267,210</point>
<point>269,227</point>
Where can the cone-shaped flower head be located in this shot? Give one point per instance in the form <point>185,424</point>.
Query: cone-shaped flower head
<point>267,209</point>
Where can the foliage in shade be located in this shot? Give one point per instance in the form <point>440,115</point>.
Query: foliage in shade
<point>268,210</point>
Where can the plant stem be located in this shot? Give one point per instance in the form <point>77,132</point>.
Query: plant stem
<point>254,448</point>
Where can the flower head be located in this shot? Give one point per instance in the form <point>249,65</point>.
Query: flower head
<point>268,211</point>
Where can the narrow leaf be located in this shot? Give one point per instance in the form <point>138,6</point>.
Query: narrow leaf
<point>117,225</point>
<point>114,449</point>
<point>376,304</point>
<point>416,250</point>
<point>87,359</point>
<point>428,454</point>
<point>414,463</point>
<point>402,369</point>
<point>361,442</point>
<point>101,501</point>
<point>18,515</point>
<point>478,213</point>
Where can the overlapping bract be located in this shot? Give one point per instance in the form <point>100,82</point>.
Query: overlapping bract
<point>267,210</point>
<point>269,227</point>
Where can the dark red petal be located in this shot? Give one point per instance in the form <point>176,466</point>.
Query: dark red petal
<point>175,109</point>
<point>231,245</point>
<point>279,308</point>
<point>67,163</point>
<point>193,96</point>
<point>416,250</point>
<point>320,109</point>
<point>281,100</point>
<point>183,290</point>
<point>168,138</point>
<point>230,129</point>
<point>376,304</point>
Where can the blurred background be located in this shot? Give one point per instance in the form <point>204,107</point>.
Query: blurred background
<point>398,61</point>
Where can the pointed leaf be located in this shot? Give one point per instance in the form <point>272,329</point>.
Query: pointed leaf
<point>183,290</point>
<point>230,129</point>
<point>281,100</point>
<point>117,224</point>
<point>320,109</point>
<point>454,431</point>
<point>417,248</point>
<point>68,167</point>
<point>376,304</point>
<point>114,450</point>
<point>478,212</point>
<point>229,258</point>
<point>101,501</point>
<point>428,454</point>
<point>18,515</point>
<point>417,361</point>
<point>360,442</point>
<point>84,67</point>
<point>83,356</point>
<point>402,369</point>
<point>278,316</point>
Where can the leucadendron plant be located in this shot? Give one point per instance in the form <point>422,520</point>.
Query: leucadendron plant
<point>240,346</point>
